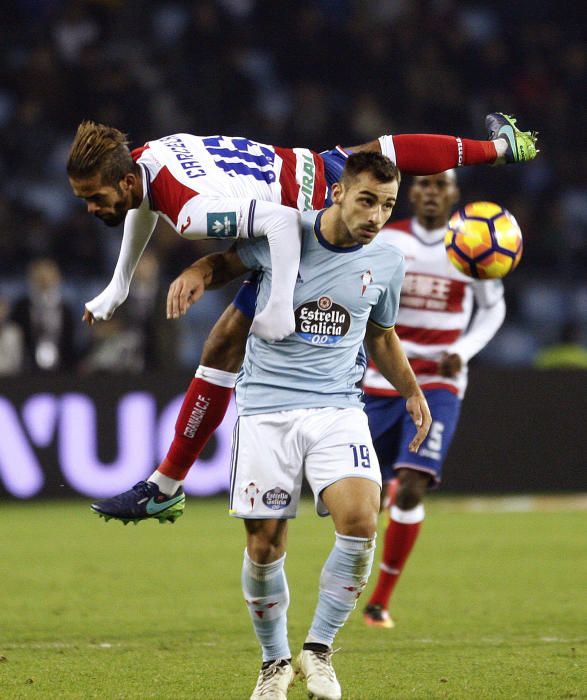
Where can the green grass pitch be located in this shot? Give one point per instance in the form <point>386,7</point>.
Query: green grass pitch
<point>491,605</point>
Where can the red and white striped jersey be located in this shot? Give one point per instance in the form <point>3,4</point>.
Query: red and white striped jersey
<point>436,306</point>
<point>182,166</point>
<point>222,187</point>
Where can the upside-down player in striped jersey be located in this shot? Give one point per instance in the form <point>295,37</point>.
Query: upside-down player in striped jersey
<point>440,332</point>
<point>227,187</point>
<point>294,177</point>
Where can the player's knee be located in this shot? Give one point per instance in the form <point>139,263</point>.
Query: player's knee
<point>361,522</point>
<point>265,541</point>
<point>225,346</point>
<point>411,489</point>
<point>218,346</point>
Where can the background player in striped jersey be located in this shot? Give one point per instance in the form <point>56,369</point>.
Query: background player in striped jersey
<point>300,414</point>
<point>440,333</point>
<point>294,177</point>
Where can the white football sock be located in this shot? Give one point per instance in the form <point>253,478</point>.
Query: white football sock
<point>267,597</point>
<point>166,484</point>
<point>343,578</point>
<point>500,147</point>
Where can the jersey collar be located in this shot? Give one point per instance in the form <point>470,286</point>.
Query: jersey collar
<point>147,186</point>
<point>329,246</point>
<point>426,236</point>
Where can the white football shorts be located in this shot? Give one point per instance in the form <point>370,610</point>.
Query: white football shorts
<point>272,452</point>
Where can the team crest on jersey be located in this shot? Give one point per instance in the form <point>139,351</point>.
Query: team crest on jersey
<point>322,322</point>
<point>221,224</point>
<point>366,279</point>
<point>276,498</point>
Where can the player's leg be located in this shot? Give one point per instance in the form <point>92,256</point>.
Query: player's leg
<point>426,154</point>
<point>266,482</point>
<point>406,515</point>
<point>343,471</point>
<point>386,416</point>
<point>208,396</point>
<point>203,408</point>
<point>266,594</point>
<point>221,359</point>
<point>415,474</point>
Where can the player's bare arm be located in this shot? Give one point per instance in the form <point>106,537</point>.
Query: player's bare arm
<point>386,350</point>
<point>209,272</point>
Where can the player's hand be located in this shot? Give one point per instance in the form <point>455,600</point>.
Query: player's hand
<point>450,364</point>
<point>88,317</point>
<point>417,407</point>
<point>184,291</point>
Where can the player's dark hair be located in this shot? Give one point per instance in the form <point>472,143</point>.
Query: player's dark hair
<point>102,149</point>
<point>380,166</point>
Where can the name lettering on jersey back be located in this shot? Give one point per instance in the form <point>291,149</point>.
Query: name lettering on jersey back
<point>185,158</point>
<point>432,293</point>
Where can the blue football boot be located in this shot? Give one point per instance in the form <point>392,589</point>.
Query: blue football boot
<point>143,501</point>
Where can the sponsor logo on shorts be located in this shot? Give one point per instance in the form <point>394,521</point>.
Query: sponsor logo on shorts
<point>322,322</point>
<point>221,224</point>
<point>276,499</point>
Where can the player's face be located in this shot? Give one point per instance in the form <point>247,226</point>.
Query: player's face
<point>365,206</point>
<point>106,202</point>
<point>433,197</point>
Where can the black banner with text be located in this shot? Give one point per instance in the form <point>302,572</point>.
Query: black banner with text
<point>520,431</point>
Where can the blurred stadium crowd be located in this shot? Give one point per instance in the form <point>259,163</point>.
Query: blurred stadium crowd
<point>315,73</point>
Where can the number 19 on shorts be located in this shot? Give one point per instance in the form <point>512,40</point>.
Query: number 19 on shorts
<point>360,456</point>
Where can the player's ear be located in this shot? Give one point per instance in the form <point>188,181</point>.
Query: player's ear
<point>337,192</point>
<point>128,182</point>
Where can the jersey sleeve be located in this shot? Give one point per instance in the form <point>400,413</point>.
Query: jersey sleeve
<point>384,313</point>
<point>487,292</point>
<point>487,319</point>
<point>138,229</point>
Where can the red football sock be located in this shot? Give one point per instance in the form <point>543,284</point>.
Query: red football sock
<point>203,408</point>
<point>397,545</point>
<point>426,154</point>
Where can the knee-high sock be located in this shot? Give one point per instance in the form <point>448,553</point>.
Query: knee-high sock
<point>343,578</point>
<point>267,597</point>
<point>400,536</point>
<point>203,408</point>
<point>425,154</point>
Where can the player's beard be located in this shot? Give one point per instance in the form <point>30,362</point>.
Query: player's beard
<point>117,217</point>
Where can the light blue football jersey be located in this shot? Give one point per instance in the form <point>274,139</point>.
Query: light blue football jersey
<point>337,292</point>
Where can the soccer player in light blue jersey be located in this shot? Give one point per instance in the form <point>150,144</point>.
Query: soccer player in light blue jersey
<point>300,413</point>
<point>254,177</point>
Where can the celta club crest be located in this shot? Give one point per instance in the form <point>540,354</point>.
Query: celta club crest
<point>366,279</point>
<point>250,493</point>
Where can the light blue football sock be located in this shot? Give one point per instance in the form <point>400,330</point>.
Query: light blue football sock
<point>267,597</point>
<point>343,578</point>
